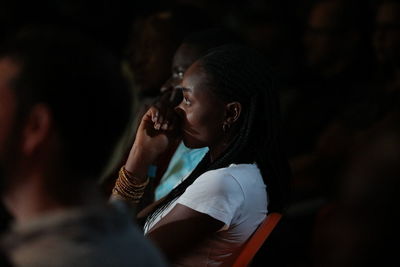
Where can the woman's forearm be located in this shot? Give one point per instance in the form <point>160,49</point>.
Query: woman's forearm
<point>138,163</point>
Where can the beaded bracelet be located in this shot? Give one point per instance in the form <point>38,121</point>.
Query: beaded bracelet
<point>127,188</point>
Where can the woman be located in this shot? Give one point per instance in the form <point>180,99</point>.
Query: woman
<point>178,161</point>
<point>230,107</point>
<point>175,166</point>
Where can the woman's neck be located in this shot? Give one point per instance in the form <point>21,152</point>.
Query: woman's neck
<point>221,147</point>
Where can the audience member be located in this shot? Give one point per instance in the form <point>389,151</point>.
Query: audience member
<point>229,105</point>
<point>57,89</point>
<point>179,160</point>
<point>362,224</point>
<point>338,67</point>
<point>184,159</point>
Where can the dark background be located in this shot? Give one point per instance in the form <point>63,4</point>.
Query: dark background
<point>337,72</point>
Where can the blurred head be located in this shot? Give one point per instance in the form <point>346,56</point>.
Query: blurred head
<point>367,214</point>
<point>333,33</point>
<point>387,34</point>
<point>185,56</point>
<point>193,46</point>
<point>155,38</point>
<point>268,26</point>
<point>65,106</point>
<point>151,51</point>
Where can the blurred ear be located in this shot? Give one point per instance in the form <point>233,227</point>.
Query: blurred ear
<point>37,129</point>
<point>233,111</point>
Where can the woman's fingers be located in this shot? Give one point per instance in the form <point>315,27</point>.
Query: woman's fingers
<point>165,126</point>
<point>163,117</point>
<point>155,115</point>
<point>170,120</point>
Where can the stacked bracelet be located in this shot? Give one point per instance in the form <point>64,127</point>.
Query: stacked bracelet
<point>128,188</point>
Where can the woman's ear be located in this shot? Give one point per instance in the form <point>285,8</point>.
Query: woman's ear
<point>233,111</point>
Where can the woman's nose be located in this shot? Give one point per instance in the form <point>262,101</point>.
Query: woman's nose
<point>176,97</point>
<point>179,110</point>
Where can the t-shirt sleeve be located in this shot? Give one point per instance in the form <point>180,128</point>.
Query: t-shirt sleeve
<point>215,193</point>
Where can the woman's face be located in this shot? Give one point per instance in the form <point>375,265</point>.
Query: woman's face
<point>202,112</point>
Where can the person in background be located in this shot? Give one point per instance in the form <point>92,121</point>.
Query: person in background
<point>360,224</point>
<point>386,42</point>
<point>338,65</point>
<point>57,133</point>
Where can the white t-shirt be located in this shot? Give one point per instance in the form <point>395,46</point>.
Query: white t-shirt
<point>236,196</point>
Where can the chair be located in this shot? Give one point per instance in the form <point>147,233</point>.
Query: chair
<point>254,243</point>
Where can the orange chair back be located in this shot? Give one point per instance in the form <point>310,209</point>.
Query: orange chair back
<point>255,242</point>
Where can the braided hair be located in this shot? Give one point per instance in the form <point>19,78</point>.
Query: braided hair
<point>237,73</point>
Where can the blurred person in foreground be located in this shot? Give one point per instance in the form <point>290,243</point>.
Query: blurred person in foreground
<point>57,91</point>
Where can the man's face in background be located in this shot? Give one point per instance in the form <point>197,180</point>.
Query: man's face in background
<point>387,34</point>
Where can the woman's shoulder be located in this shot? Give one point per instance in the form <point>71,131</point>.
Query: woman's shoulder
<point>233,175</point>
<point>234,170</point>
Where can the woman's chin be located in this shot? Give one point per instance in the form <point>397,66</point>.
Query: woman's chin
<point>191,143</point>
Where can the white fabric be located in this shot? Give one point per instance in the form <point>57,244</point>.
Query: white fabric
<point>236,196</point>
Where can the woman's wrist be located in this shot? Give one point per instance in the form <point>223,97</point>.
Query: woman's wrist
<point>138,163</point>
<point>128,187</point>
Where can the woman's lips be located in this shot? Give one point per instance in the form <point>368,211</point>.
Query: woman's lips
<point>189,131</point>
<point>186,131</point>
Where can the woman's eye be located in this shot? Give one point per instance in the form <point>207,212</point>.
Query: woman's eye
<point>186,101</point>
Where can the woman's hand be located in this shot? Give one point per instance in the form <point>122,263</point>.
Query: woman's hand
<point>165,115</point>
<point>156,133</point>
<point>159,127</point>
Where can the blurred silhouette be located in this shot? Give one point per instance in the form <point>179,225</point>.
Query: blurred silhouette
<point>387,38</point>
<point>338,64</point>
<point>387,52</point>
<point>362,225</point>
<point>57,90</point>
<point>324,120</point>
